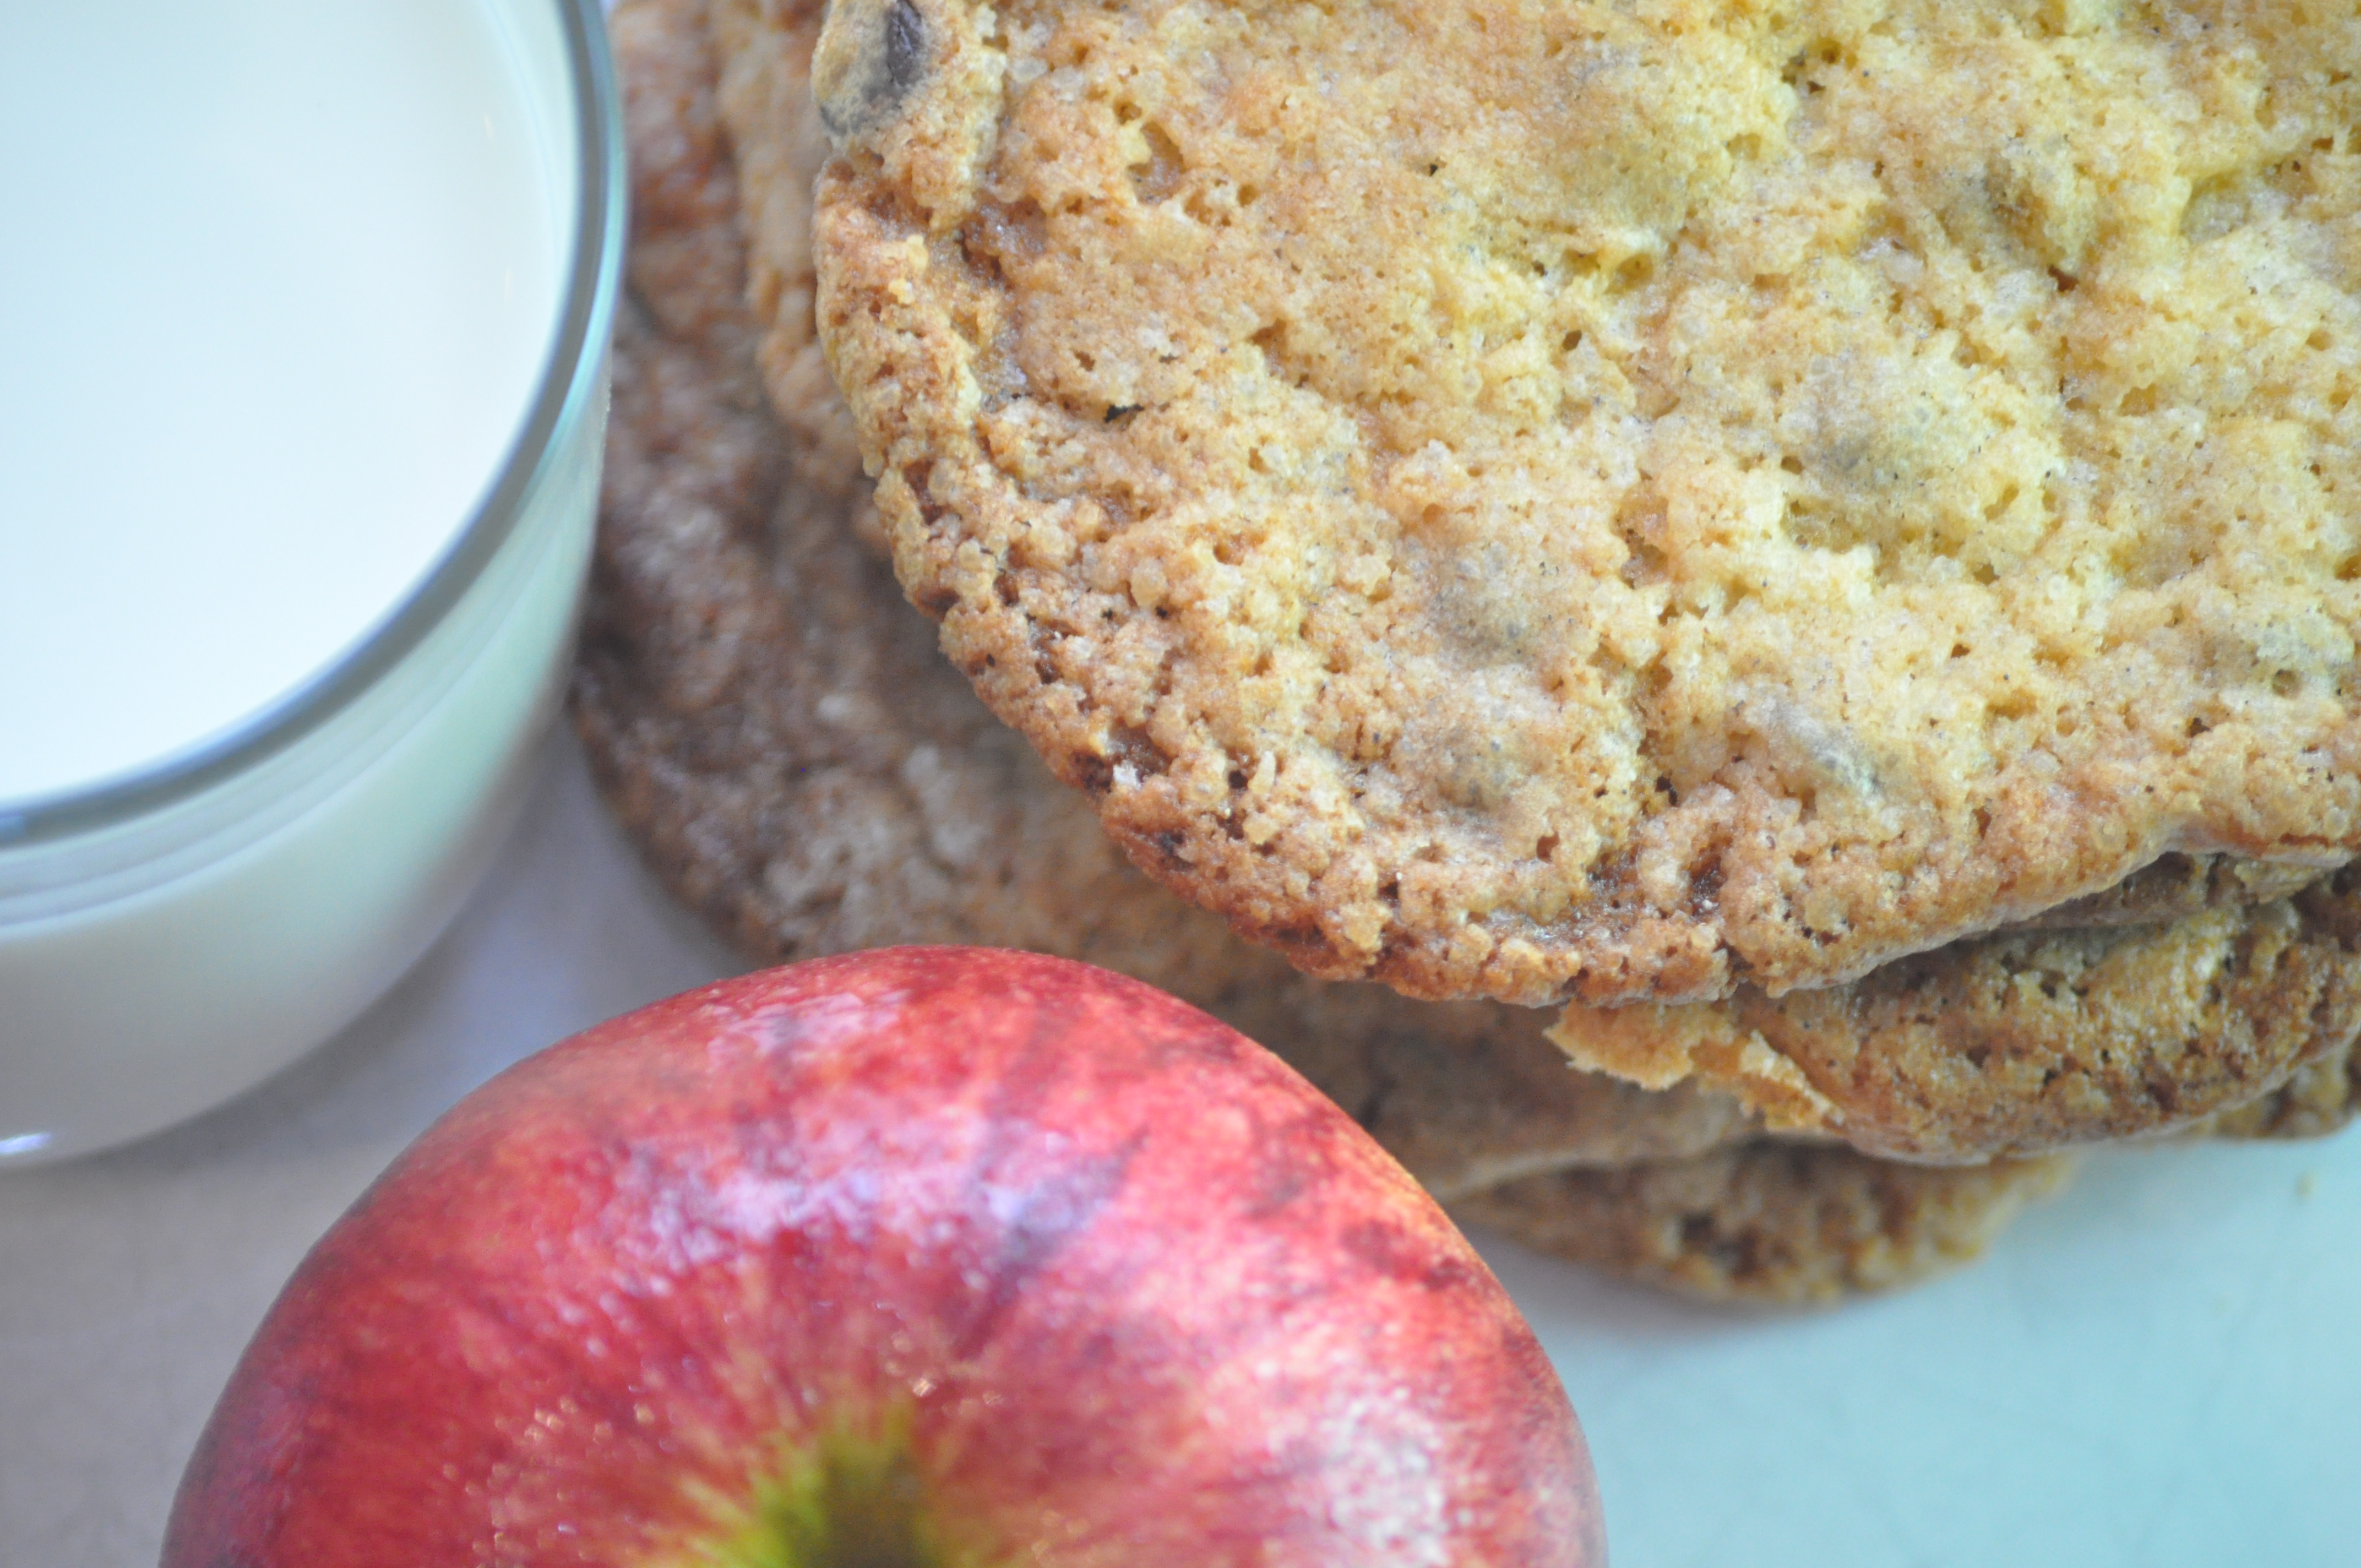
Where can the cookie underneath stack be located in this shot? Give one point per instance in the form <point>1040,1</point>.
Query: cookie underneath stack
<point>772,722</point>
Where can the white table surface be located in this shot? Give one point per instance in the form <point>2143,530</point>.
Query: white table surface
<point>2160,1368</point>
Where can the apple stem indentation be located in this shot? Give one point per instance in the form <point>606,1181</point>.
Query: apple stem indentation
<point>844,1499</point>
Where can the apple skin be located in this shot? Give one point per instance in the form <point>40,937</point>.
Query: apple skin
<point>1124,1289</point>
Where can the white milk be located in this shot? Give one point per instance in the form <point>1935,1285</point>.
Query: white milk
<point>278,280</point>
<point>302,306</point>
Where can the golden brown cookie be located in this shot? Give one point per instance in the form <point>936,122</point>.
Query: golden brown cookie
<point>2176,886</point>
<point>1773,1222</point>
<point>1779,1223</point>
<point>2022,1042</point>
<point>1610,503</point>
<point>730,617</point>
<point>773,725</point>
<point>2323,1097</point>
<point>1767,1222</point>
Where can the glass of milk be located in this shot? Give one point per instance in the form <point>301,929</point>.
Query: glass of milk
<point>304,319</point>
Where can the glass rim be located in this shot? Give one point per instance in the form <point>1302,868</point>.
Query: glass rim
<point>568,382</point>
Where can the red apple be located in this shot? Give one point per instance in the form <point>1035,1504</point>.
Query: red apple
<point>921,1256</point>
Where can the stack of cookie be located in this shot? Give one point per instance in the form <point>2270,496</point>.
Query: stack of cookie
<point>1608,515</point>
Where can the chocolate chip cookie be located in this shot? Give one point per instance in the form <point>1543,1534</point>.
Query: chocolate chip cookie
<point>1615,503</point>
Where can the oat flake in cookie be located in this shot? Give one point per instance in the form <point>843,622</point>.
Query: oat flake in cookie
<point>1605,502</point>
